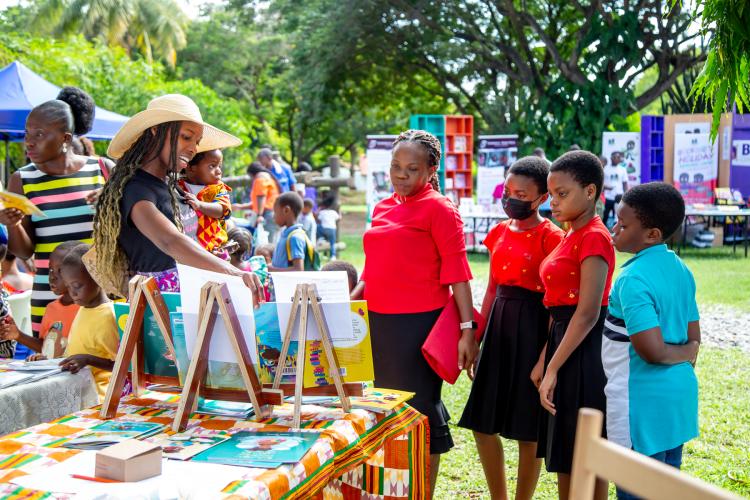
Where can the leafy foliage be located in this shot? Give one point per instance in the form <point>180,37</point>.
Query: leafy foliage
<point>119,83</point>
<point>725,78</point>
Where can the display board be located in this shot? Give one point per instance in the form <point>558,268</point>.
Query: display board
<point>495,153</point>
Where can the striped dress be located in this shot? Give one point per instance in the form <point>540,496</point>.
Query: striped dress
<point>69,217</point>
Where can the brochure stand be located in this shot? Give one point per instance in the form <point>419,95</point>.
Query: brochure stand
<point>306,299</point>
<point>143,292</point>
<point>214,298</point>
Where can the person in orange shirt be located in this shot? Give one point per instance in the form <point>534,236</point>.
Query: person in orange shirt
<point>263,193</point>
<point>58,316</point>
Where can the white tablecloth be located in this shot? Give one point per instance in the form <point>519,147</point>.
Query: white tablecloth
<point>26,405</point>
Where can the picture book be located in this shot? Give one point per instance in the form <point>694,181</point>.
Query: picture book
<point>231,409</point>
<point>219,375</point>
<point>184,446</point>
<point>112,432</point>
<point>22,203</point>
<point>353,350</point>
<point>260,449</point>
<point>157,359</point>
<point>378,400</point>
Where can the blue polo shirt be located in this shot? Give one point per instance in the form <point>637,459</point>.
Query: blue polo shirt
<point>650,407</point>
<point>284,175</point>
<point>297,244</point>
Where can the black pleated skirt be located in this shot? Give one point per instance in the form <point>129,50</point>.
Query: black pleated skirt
<point>503,399</point>
<point>397,355</point>
<point>580,383</point>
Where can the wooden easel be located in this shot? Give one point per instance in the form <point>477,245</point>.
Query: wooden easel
<point>305,299</point>
<point>214,298</point>
<point>143,292</point>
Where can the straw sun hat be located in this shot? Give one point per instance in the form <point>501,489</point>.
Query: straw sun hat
<point>169,108</point>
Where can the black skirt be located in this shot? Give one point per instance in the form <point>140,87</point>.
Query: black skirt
<point>399,364</point>
<point>503,399</point>
<point>580,384</point>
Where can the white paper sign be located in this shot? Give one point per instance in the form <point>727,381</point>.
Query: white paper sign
<point>191,282</point>
<point>333,290</point>
<point>742,152</point>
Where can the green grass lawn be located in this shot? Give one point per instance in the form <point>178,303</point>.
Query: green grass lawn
<point>719,456</point>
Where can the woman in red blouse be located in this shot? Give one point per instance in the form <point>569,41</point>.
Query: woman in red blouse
<point>577,276</point>
<point>503,399</point>
<point>414,253</point>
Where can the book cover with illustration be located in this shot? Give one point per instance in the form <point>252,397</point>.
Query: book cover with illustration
<point>113,432</point>
<point>378,400</point>
<point>354,353</point>
<point>157,359</point>
<point>184,446</point>
<point>260,449</point>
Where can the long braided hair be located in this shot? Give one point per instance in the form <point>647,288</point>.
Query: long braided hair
<point>430,143</point>
<point>110,259</point>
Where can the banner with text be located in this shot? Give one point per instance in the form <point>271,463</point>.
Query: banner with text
<point>495,153</point>
<point>696,163</point>
<point>378,170</point>
<point>628,144</point>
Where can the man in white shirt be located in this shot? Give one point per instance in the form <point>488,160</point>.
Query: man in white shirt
<point>615,184</point>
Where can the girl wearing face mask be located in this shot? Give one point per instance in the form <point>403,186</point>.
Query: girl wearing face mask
<point>503,401</point>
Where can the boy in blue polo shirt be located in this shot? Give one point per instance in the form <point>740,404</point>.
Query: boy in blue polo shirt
<point>652,332</point>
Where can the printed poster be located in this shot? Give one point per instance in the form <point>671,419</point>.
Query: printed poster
<point>695,167</point>
<point>495,154</point>
<point>741,150</point>
<point>378,170</point>
<point>629,145</point>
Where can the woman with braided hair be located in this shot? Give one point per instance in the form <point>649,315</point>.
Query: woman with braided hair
<point>415,253</point>
<point>61,183</point>
<point>136,231</point>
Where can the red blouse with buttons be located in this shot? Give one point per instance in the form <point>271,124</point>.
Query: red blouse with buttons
<point>560,271</point>
<point>414,249</point>
<point>515,256</point>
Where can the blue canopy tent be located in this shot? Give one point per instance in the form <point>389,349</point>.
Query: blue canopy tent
<point>21,89</point>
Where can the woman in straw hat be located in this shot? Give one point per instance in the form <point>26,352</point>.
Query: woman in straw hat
<point>136,230</point>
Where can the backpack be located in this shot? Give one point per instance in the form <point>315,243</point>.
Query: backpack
<point>312,257</point>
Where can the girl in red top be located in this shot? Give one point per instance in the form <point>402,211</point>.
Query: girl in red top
<point>414,253</point>
<point>577,277</point>
<point>503,399</point>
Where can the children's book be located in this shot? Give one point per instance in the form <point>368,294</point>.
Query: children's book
<point>378,400</point>
<point>354,352</point>
<point>19,201</point>
<point>231,409</point>
<point>184,446</point>
<point>113,432</point>
<point>157,359</point>
<point>260,449</point>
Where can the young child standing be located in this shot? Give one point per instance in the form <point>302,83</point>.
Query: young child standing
<point>577,276</point>
<point>652,332</point>
<point>209,197</point>
<point>503,399</point>
<point>293,248</point>
<point>327,218</point>
<point>93,338</point>
<point>58,316</point>
<point>307,219</point>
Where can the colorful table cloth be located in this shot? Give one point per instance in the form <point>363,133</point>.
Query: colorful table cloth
<point>358,455</point>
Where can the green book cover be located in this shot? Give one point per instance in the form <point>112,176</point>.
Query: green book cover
<point>260,449</point>
<point>157,359</point>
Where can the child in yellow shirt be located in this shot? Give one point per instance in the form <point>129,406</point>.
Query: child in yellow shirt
<point>93,339</point>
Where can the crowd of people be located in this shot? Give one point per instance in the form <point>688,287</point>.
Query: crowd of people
<point>561,334</point>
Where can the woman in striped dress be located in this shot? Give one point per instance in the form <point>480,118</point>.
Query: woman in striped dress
<point>59,182</point>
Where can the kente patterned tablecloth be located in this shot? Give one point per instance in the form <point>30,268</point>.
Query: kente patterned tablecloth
<point>362,455</point>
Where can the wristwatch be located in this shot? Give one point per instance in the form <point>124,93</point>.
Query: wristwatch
<point>469,324</point>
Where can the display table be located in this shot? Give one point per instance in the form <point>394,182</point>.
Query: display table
<point>357,454</point>
<point>30,404</point>
<point>709,214</point>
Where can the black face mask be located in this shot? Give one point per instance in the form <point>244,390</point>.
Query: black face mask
<point>518,209</point>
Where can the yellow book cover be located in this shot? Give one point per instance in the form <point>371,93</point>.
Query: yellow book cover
<point>354,355</point>
<point>379,400</point>
<point>19,201</point>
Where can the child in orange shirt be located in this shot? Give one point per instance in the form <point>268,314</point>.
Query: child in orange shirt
<point>209,197</point>
<point>58,316</point>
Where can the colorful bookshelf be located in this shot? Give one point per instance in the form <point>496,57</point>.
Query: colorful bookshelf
<point>652,148</point>
<point>459,156</point>
<point>456,135</point>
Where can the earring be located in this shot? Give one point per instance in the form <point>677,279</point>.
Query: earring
<point>64,148</point>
